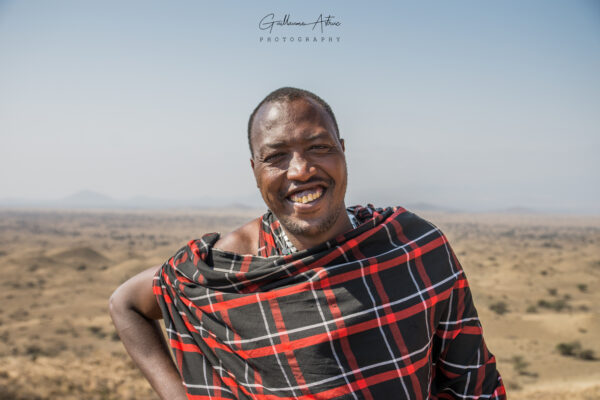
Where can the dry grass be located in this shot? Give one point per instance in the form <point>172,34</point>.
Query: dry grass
<point>531,278</point>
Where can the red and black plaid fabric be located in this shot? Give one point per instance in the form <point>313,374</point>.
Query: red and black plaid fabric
<point>271,238</point>
<point>383,311</point>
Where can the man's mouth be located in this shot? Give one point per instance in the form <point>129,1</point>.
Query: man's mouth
<point>306,196</point>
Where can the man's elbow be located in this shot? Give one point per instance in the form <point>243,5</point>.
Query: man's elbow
<point>122,311</point>
<point>135,297</point>
<point>118,303</point>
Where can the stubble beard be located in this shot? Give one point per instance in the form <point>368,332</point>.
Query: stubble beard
<point>303,228</point>
<point>300,228</point>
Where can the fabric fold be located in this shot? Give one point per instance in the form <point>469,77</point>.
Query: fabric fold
<point>363,315</point>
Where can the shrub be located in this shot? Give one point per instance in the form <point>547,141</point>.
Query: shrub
<point>531,309</point>
<point>574,349</point>
<point>34,351</point>
<point>97,331</point>
<point>499,307</point>
<point>520,366</point>
<point>556,305</point>
<point>587,354</point>
<point>582,287</point>
<point>568,349</point>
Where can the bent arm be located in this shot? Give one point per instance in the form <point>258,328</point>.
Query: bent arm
<point>134,311</point>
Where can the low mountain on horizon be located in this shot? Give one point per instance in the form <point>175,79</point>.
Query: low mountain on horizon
<point>87,198</point>
<point>423,206</point>
<point>96,200</point>
<point>517,210</point>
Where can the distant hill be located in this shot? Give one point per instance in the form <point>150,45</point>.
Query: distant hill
<point>87,198</point>
<point>517,210</point>
<point>423,206</point>
<point>96,200</point>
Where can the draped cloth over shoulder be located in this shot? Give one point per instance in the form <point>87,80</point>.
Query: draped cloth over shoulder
<point>383,311</point>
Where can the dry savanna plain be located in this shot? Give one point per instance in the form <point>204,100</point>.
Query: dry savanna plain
<point>534,280</point>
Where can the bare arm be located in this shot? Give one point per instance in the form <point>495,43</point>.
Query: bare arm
<point>134,311</point>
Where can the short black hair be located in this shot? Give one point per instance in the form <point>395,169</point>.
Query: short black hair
<point>290,94</point>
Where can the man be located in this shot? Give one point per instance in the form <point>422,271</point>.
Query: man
<point>311,300</point>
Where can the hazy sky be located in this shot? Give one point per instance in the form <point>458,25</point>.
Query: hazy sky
<point>467,104</point>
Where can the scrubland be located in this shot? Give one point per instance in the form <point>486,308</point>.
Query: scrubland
<point>534,280</point>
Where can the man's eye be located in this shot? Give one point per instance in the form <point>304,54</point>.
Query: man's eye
<point>273,157</point>
<point>319,147</point>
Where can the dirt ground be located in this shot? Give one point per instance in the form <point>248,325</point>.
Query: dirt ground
<point>534,279</point>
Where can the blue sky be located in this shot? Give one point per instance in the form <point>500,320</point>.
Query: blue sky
<point>470,105</point>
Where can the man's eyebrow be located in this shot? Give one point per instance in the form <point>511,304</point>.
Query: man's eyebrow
<point>280,144</point>
<point>275,145</point>
<point>319,135</point>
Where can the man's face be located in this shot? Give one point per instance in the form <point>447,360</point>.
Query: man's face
<point>299,166</point>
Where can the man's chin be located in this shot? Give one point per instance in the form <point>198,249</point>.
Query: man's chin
<point>309,227</point>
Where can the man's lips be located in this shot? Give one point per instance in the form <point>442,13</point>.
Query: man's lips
<point>307,195</point>
<point>306,192</point>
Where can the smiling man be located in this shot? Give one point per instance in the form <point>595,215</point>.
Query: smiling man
<point>300,169</point>
<point>312,299</point>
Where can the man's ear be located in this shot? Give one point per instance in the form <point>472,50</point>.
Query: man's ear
<point>343,146</point>
<point>253,172</point>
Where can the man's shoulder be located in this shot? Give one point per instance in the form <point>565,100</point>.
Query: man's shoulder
<point>419,225</point>
<point>400,214</point>
<point>404,222</point>
<point>243,240</point>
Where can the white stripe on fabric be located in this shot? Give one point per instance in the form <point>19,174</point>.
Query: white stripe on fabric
<point>349,316</point>
<point>473,366</point>
<point>205,378</point>
<point>275,353</point>
<point>425,309</point>
<point>450,307</point>
<point>481,396</point>
<point>425,312</point>
<point>383,335</point>
<point>459,321</point>
<point>207,387</point>
<point>325,324</point>
<point>180,335</point>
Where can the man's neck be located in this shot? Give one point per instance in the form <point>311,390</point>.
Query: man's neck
<point>302,242</point>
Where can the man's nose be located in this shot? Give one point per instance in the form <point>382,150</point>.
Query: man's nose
<point>299,168</point>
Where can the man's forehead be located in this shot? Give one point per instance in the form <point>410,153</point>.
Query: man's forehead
<point>274,112</point>
<point>290,112</point>
<point>270,114</point>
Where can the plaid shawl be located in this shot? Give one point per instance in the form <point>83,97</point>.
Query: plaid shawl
<point>382,311</point>
<point>272,240</point>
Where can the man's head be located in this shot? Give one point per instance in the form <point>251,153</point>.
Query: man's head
<point>299,163</point>
<point>287,94</point>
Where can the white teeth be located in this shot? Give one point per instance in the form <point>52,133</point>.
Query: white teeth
<point>307,197</point>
